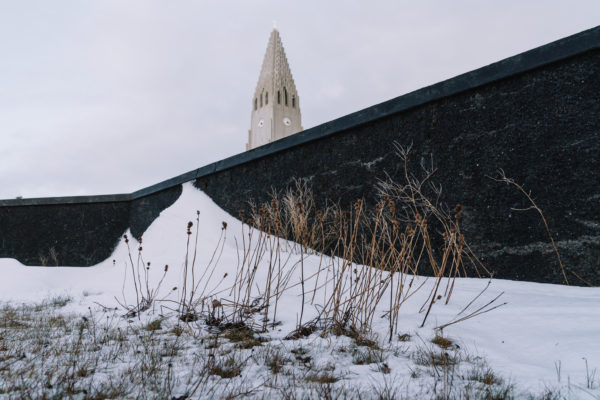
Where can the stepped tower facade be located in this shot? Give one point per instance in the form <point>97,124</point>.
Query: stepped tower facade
<point>276,104</point>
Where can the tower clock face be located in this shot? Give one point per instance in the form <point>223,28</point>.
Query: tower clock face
<point>261,123</point>
<point>286,121</point>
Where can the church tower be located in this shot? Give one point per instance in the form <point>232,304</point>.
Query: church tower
<point>275,105</point>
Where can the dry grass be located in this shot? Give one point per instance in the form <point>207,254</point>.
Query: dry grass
<point>242,335</point>
<point>365,356</point>
<point>443,342</point>
<point>407,232</point>
<point>404,337</point>
<point>48,353</point>
<point>322,378</point>
<point>217,334</point>
<point>533,206</point>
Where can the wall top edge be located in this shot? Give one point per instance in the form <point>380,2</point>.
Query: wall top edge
<point>42,201</point>
<point>561,49</point>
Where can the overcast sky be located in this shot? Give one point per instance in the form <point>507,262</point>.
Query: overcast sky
<point>108,96</point>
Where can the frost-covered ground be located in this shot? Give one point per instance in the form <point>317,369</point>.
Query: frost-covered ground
<point>62,331</point>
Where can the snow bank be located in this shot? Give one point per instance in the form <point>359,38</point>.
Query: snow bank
<point>540,325</point>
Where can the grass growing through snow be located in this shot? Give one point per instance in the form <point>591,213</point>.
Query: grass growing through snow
<point>211,336</point>
<point>46,352</point>
<point>404,234</point>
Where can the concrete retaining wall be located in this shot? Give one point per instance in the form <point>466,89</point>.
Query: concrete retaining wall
<point>535,115</point>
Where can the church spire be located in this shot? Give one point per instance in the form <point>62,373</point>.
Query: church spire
<point>276,104</point>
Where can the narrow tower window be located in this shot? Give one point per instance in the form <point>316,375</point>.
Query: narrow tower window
<point>285,96</point>
<point>294,101</point>
<point>278,97</point>
<point>267,98</point>
<point>261,100</point>
<point>255,104</point>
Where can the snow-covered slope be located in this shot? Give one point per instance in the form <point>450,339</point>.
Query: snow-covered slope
<point>541,324</point>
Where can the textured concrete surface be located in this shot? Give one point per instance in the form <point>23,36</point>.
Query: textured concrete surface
<point>535,115</point>
<point>541,127</point>
<point>78,234</point>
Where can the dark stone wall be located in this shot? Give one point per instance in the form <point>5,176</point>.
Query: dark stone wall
<point>82,234</point>
<point>535,115</point>
<point>77,233</point>
<point>541,127</point>
<point>146,209</point>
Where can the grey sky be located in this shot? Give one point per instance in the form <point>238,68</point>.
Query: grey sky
<point>112,96</point>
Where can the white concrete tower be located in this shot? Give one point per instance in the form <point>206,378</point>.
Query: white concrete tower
<point>275,105</point>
